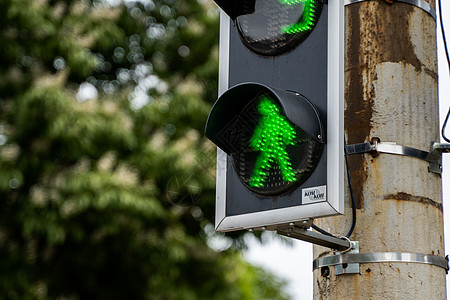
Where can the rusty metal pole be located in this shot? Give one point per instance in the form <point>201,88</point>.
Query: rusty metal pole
<point>390,94</point>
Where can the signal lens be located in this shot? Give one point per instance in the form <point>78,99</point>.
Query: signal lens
<point>277,26</point>
<point>272,154</point>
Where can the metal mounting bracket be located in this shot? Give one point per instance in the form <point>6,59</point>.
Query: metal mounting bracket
<point>303,234</point>
<point>376,147</point>
<point>423,5</point>
<point>440,147</point>
<point>348,268</point>
<point>436,151</point>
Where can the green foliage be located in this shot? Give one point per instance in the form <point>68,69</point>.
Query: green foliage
<point>111,195</point>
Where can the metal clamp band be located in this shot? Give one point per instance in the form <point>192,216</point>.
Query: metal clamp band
<point>433,157</point>
<point>390,148</point>
<point>381,257</point>
<point>422,4</point>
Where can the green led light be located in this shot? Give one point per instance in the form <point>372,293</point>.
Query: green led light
<point>291,2</point>
<point>271,137</point>
<point>308,19</point>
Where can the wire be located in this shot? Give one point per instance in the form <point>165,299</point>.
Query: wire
<point>352,198</point>
<point>443,34</point>
<point>318,229</point>
<point>448,62</point>
<point>445,125</point>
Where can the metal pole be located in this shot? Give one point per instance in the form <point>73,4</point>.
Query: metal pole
<point>390,94</point>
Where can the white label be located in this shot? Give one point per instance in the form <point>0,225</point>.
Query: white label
<point>314,194</point>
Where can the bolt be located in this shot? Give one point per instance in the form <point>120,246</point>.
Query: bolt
<point>325,271</point>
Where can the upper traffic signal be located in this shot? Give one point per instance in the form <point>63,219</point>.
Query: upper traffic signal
<point>278,122</point>
<point>269,27</point>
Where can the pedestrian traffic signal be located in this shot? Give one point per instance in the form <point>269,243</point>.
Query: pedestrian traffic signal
<point>274,138</point>
<point>278,122</point>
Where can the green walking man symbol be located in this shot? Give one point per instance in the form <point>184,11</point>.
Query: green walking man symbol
<point>271,137</point>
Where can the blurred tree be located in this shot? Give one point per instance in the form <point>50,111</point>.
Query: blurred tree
<point>106,181</point>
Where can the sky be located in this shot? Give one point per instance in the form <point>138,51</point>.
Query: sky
<point>294,263</point>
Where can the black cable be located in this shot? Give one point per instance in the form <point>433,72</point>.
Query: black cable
<point>350,187</point>
<point>448,62</point>
<point>443,34</point>
<point>318,229</point>
<point>352,198</point>
<point>443,127</point>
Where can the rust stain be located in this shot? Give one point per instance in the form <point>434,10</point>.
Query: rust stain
<point>377,33</point>
<point>408,197</point>
<point>394,37</point>
<point>358,113</point>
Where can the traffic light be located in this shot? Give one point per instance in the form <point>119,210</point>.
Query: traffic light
<point>278,123</point>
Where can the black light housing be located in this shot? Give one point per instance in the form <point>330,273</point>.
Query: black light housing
<point>297,109</point>
<point>236,8</point>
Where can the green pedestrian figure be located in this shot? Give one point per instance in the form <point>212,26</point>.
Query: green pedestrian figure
<point>271,137</point>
